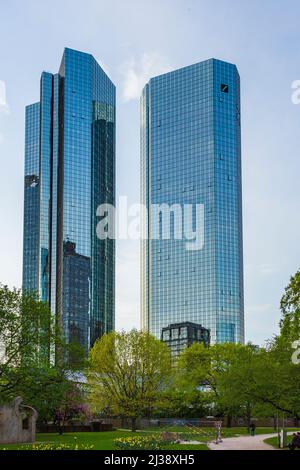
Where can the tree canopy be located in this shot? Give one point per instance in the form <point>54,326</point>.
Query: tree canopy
<point>29,339</point>
<point>128,374</point>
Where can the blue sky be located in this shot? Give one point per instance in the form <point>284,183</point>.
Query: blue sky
<point>136,39</point>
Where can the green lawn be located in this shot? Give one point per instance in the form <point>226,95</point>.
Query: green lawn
<point>273,441</point>
<point>99,440</point>
<point>105,440</point>
<point>208,434</point>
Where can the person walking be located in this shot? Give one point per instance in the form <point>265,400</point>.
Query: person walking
<point>297,441</point>
<point>252,429</point>
<point>293,444</point>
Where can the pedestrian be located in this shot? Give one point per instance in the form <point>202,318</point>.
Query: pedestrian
<point>298,440</point>
<point>293,444</point>
<point>218,426</point>
<point>252,429</point>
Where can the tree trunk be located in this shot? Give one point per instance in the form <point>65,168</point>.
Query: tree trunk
<point>248,422</point>
<point>133,424</point>
<point>229,421</point>
<point>61,423</point>
<point>248,417</point>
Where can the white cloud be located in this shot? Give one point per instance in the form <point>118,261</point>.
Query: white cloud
<point>138,72</point>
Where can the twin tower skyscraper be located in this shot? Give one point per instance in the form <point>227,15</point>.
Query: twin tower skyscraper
<point>69,172</point>
<point>190,155</point>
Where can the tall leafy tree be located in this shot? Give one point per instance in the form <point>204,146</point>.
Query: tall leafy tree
<point>290,307</point>
<point>204,369</point>
<point>27,337</point>
<point>28,341</point>
<point>128,374</point>
<point>236,383</point>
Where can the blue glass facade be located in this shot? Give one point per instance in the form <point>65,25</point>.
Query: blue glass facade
<point>31,198</point>
<point>191,154</point>
<point>76,169</point>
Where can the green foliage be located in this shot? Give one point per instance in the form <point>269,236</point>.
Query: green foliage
<point>239,380</point>
<point>128,374</point>
<point>203,369</point>
<point>182,403</point>
<point>27,330</point>
<point>52,394</point>
<point>28,341</point>
<point>290,307</point>
<point>242,381</point>
<point>87,440</point>
<point>27,338</point>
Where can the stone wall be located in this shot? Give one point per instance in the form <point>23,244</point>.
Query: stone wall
<point>17,423</point>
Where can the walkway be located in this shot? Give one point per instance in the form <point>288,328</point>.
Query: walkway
<point>244,443</point>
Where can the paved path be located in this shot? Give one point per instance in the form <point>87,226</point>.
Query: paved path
<point>244,443</point>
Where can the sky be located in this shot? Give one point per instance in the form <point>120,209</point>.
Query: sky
<point>134,40</point>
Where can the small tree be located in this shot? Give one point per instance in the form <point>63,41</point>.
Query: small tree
<point>128,374</point>
<point>71,405</point>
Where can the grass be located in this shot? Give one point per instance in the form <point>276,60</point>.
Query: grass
<point>99,440</point>
<point>273,441</point>
<point>105,440</point>
<point>208,434</point>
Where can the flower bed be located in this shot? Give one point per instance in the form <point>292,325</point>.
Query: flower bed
<point>153,442</point>
<point>54,446</point>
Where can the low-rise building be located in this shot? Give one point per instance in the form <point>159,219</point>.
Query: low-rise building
<point>179,336</point>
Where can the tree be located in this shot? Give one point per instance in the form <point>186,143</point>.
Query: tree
<point>290,307</point>
<point>275,382</point>
<point>278,379</point>
<point>286,373</point>
<point>128,374</point>
<point>237,384</point>
<point>44,388</point>
<point>182,403</point>
<point>222,376</point>
<point>28,341</point>
<point>27,337</point>
<point>240,380</point>
<point>71,405</point>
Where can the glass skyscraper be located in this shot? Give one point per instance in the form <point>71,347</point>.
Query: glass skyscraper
<point>191,154</point>
<point>69,172</point>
